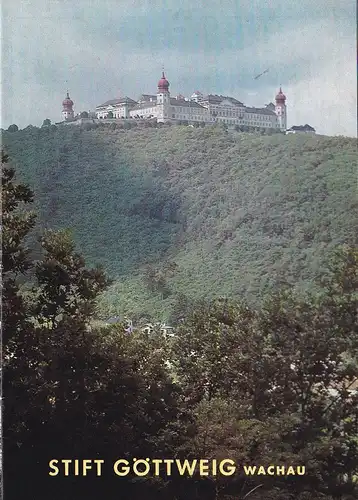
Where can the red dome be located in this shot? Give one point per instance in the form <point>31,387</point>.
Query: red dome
<point>67,102</point>
<point>280,96</point>
<point>163,83</point>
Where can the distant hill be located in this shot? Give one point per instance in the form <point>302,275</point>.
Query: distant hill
<point>196,212</point>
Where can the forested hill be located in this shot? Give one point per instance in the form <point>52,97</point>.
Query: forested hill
<point>175,211</point>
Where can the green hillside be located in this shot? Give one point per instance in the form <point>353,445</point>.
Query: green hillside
<point>199,212</point>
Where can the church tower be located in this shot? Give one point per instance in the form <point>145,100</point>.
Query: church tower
<point>281,110</point>
<point>163,99</point>
<point>67,108</point>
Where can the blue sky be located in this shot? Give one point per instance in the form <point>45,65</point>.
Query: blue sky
<point>109,48</point>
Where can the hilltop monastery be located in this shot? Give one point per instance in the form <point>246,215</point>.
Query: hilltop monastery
<point>199,108</point>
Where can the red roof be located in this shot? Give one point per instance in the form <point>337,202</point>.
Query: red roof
<point>163,83</point>
<point>67,102</point>
<point>280,96</point>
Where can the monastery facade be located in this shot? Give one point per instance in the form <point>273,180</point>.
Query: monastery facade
<point>199,108</point>
<point>207,109</point>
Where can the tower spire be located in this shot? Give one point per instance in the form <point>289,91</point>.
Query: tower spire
<point>163,98</point>
<point>67,107</point>
<point>163,84</point>
<point>280,109</point>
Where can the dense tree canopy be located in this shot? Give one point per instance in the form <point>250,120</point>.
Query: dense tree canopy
<point>237,213</point>
<point>69,391</point>
<point>282,376</point>
<point>13,128</point>
<point>270,384</point>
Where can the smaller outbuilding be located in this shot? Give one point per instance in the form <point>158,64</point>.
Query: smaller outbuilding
<point>301,129</point>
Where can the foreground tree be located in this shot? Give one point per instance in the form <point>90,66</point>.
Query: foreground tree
<point>13,128</point>
<point>17,221</point>
<point>261,387</point>
<point>287,376</point>
<point>69,390</point>
<point>46,122</point>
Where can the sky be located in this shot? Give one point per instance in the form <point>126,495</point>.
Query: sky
<point>105,49</point>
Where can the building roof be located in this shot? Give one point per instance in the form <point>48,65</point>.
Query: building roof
<point>144,105</point>
<point>173,102</point>
<point>183,103</point>
<point>260,111</point>
<point>67,102</point>
<point>303,128</point>
<point>163,84</point>
<point>270,105</point>
<point>217,99</point>
<point>280,97</point>
<point>115,102</point>
<point>147,97</point>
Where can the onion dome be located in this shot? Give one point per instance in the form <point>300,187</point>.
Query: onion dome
<point>280,96</point>
<point>163,84</point>
<point>67,102</point>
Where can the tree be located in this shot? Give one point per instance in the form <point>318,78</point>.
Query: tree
<point>84,114</point>
<point>287,371</point>
<point>38,335</point>
<point>71,390</point>
<point>65,287</point>
<point>110,114</point>
<point>46,122</point>
<point>16,261</point>
<point>89,126</point>
<point>156,279</point>
<point>13,128</point>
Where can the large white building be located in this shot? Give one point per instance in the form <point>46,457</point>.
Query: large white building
<point>198,108</point>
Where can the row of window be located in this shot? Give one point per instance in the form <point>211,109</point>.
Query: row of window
<point>246,122</point>
<point>261,118</point>
<point>178,116</point>
<point>234,114</point>
<point>186,117</point>
<point>181,109</point>
<point>226,113</point>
